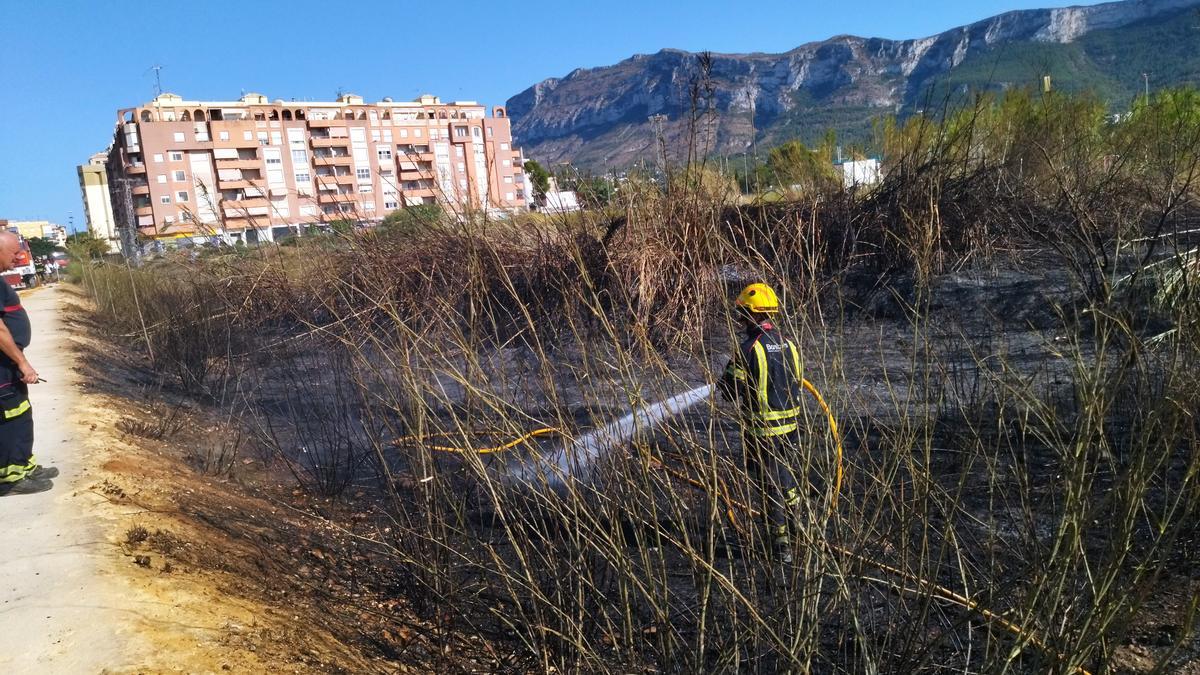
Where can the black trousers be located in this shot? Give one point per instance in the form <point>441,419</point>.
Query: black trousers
<point>16,432</point>
<point>776,464</point>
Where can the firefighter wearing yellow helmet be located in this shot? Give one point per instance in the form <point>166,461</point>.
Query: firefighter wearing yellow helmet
<point>764,379</point>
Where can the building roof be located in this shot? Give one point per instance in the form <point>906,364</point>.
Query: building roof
<point>169,100</point>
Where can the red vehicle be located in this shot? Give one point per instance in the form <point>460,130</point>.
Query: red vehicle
<point>23,275</point>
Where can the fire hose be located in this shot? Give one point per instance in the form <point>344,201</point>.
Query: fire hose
<point>936,590</point>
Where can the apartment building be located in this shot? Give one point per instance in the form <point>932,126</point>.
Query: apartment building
<point>251,169</point>
<point>42,229</point>
<point>97,200</point>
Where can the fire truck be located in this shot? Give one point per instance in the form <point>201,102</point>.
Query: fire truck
<point>23,275</point>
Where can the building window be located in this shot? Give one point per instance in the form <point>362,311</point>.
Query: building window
<point>506,163</point>
<point>247,135</point>
<point>176,156</point>
<point>369,206</point>
<point>433,133</point>
<point>364,189</point>
<point>504,146</point>
<point>178,136</point>
<point>508,196</point>
<point>182,195</point>
<point>385,154</point>
<point>390,205</point>
<point>162,178</point>
<point>274,160</point>
<point>165,199</point>
<point>460,132</point>
<point>157,157</point>
<point>475,132</point>
<point>180,176</point>
<point>303,178</point>
<point>299,157</point>
<point>462,166</point>
<point>387,135</point>
<point>224,135</point>
<point>508,179</point>
<point>363,174</point>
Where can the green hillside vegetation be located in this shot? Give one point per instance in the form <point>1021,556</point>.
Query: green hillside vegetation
<point>1106,63</point>
<point>1109,63</point>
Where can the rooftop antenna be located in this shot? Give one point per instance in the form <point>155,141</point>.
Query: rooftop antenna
<point>157,78</point>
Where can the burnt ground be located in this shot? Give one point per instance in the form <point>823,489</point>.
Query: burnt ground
<point>255,535</point>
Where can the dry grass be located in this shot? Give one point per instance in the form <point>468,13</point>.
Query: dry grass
<point>1012,498</point>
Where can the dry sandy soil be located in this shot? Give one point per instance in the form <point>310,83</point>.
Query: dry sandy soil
<point>116,570</point>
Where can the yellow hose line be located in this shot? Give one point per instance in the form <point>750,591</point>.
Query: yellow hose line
<point>837,437</point>
<point>478,451</point>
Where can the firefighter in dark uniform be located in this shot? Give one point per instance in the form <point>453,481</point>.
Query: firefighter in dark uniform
<point>764,379</point>
<point>19,472</point>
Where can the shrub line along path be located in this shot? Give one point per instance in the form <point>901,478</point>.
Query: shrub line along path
<point>61,610</point>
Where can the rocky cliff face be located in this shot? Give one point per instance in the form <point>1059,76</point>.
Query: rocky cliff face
<point>601,116</point>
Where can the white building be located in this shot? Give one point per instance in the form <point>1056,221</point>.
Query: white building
<point>97,201</point>
<point>559,201</point>
<point>859,172</point>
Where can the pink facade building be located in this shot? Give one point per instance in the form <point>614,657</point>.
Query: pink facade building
<point>253,170</point>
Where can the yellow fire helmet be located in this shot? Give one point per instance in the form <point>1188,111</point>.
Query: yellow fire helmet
<point>759,298</point>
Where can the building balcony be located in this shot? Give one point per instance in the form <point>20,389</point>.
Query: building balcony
<point>141,190</point>
<point>239,163</point>
<point>339,160</point>
<point>143,211</point>
<point>327,123</point>
<point>339,179</point>
<point>330,142</point>
<point>337,197</point>
<point>245,203</point>
<point>135,169</point>
<point>237,184</point>
<point>419,192</point>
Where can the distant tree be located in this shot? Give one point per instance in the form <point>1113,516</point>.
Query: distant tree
<point>595,191</point>
<point>341,226</point>
<point>706,183</point>
<point>795,166</point>
<point>411,219</point>
<point>84,245</point>
<point>539,176</point>
<point>40,247</point>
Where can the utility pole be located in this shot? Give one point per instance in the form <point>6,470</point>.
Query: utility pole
<point>1146,80</point>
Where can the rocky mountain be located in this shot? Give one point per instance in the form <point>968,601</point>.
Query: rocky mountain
<point>610,116</point>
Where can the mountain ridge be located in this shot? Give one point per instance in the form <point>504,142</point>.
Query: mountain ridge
<point>599,116</point>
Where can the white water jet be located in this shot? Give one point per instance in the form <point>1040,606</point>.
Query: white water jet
<point>574,459</point>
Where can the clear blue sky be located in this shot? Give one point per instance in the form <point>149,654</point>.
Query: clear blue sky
<point>66,66</point>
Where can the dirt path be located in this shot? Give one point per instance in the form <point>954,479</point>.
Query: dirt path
<point>118,569</point>
<point>60,609</point>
